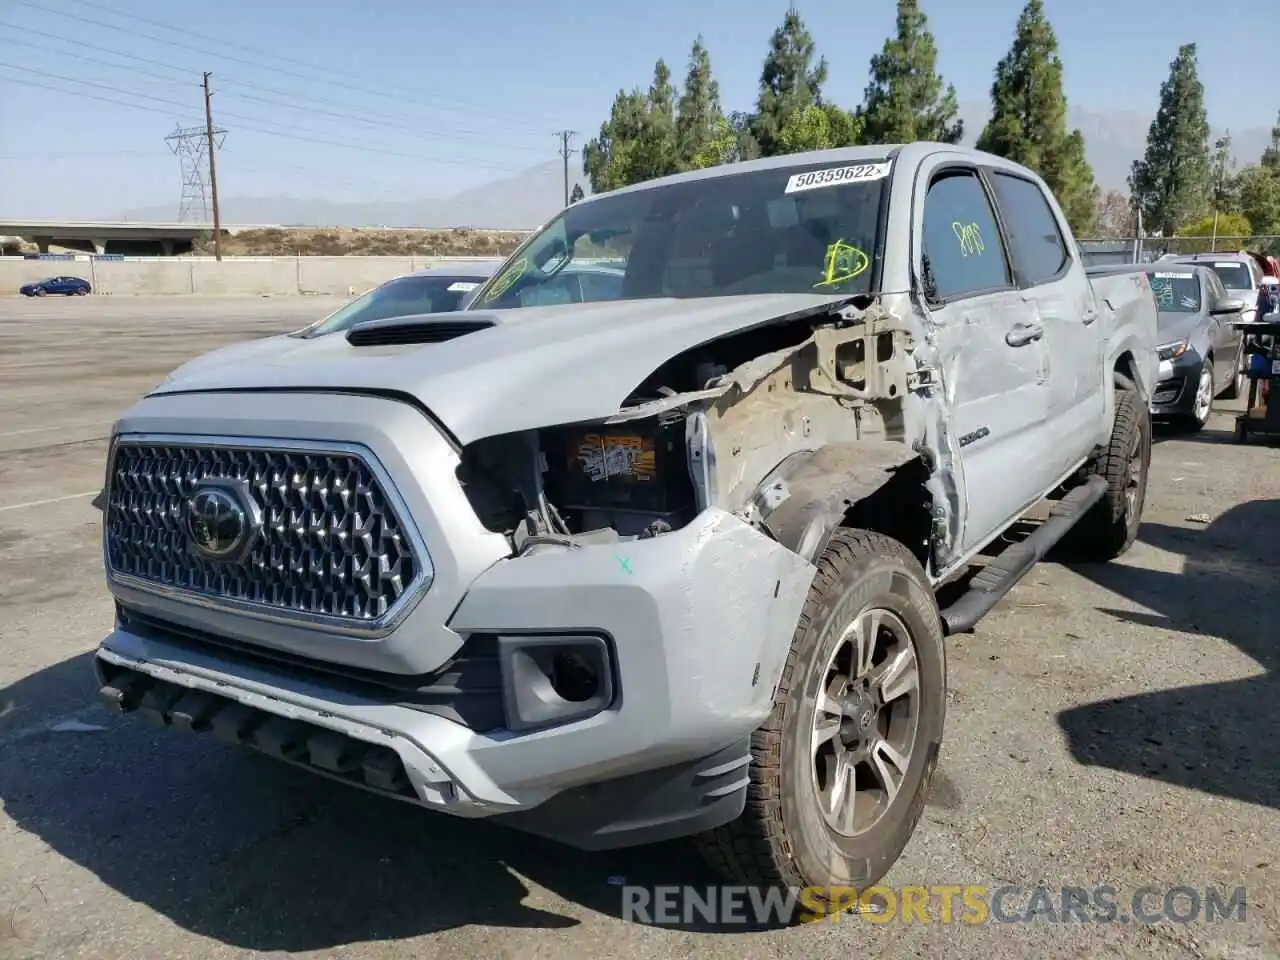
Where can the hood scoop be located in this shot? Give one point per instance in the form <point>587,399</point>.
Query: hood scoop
<point>386,333</point>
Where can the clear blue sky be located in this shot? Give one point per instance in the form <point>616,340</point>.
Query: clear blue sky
<point>446,96</point>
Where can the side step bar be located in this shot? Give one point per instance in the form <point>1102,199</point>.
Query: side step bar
<point>1015,561</point>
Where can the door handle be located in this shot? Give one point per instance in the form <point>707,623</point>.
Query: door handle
<point>1023,333</point>
<point>1089,316</point>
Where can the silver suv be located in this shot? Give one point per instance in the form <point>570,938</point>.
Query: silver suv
<point>1238,272</point>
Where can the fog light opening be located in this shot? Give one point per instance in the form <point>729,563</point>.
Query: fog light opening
<point>573,678</point>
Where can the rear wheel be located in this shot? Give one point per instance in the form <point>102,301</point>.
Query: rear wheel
<point>1110,527</point>
<point>82,292</point>
<point>841,769</point>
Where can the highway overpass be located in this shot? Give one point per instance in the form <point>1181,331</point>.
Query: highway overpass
<point>105,236</point>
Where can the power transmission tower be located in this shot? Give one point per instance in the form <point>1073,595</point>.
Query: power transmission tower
<point>190,145</point>
<point>565,152</point>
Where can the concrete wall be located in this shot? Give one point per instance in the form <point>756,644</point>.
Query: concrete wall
<point>233,276</point>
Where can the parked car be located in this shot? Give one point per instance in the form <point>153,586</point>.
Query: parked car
<point>577,283</point>
<point>1239,273</point>
<point>67,286</point>
<point>658,565</point>
<point>439,289</point>
<point>1201,350</point>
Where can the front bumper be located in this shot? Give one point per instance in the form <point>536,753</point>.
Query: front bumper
<point>697,623</point>
<point>1175,392</point>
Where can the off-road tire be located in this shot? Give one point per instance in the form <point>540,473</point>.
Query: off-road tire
<point>1110,528</point>
<point>781,838</point>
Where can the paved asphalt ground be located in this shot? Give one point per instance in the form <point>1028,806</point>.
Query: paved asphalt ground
<point>1108,726</point>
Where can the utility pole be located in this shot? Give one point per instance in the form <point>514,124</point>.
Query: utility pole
<point>565,152</point>
<point>213,170</point>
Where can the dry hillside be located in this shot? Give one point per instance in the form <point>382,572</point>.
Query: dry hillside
<point>362,242</point>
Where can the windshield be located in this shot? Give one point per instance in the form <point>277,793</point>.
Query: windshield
<point>402,297</point>
<point>1233,274</point>
<point>797,229</point>
<point>1176,292</point>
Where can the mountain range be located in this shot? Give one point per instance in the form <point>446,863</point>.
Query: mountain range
<point>1113,141</point>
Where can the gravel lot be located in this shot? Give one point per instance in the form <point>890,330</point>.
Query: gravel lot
<point>1107,726</point>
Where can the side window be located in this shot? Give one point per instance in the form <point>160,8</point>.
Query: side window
<point>1035,242</point>
<point>961,239</point>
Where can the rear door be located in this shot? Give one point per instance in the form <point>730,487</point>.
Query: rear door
<point>1057,295</point>
<point>1224,333</point>
<point>992,357</point>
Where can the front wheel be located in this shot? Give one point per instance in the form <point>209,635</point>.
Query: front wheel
<point>841,769</point>
<point>39,291</point>
<point>1202,402</point>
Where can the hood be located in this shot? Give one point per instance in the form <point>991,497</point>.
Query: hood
<point>535,367</point>
<point>231,354</point>
<point>1172,327</point>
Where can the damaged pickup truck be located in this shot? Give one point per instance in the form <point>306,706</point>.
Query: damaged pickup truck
<point>662,564</point>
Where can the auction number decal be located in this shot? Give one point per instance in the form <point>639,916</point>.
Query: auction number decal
<point>834,176</point>
<point>970,237</point>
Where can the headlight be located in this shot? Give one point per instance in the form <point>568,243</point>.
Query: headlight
<point>1172,351</point>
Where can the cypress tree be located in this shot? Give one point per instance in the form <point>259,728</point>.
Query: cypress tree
<point>1172,183</point>
<point>789,82</point>
<point>1028,122</point>
<point>907,99</point>
<point>700,121</point>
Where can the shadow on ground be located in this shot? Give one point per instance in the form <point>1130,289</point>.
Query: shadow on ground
<point>1213,737</point>
<point>258,855</point>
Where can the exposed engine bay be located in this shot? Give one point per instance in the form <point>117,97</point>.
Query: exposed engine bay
<point>712,426</point>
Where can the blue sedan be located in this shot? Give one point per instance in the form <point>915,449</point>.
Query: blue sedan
<point>67,286</point>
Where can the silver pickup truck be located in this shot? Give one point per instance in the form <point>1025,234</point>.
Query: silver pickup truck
<point>659,560</point>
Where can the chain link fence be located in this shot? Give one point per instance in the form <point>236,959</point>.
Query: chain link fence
<point>1116,250</point>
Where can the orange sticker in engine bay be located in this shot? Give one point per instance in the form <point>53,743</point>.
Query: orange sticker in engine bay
<point>604,455</point>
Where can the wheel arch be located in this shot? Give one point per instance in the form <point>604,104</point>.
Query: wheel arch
<point>877,485</point>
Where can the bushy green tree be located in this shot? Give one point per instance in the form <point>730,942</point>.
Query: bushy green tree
<point>907,98</point>
<point>652,133</point>
<point>819,128</point>
<point>790,82</point>
<point>1028,122</point>
<point>630,147</point>
<point>1172,183</point>
<point>1259,191</point>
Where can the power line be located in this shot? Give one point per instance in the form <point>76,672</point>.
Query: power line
<point>95,60</point>
<point>75,155</point>
<point>301,135</point>
<point>323,71</point>
<point>365,117</point>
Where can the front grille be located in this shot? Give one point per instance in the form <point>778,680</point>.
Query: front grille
<point>329,545</point>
